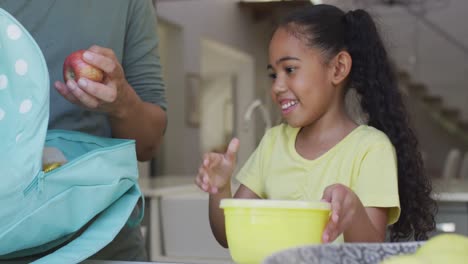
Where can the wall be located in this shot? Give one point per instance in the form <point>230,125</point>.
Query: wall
<point>435,142</point>
<point>427,56</point>
<point>221,59</point>
<point>169,156</point>
<point>216,112</point>
<point>429,59</point>
<point>420,50</point>
<point>221,21</point>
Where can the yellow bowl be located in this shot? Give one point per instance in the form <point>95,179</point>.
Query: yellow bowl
<point>257,228</point>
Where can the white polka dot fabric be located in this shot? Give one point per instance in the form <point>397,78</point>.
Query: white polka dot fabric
<point>40,211</point>
<point>24,111</point>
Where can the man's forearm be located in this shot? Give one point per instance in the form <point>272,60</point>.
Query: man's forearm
<point>142,121</point>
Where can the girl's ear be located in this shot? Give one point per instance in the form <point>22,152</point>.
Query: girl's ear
<point>341,67</point>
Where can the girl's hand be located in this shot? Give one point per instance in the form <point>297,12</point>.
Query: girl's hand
<point>345,206</point>
<point>216,169</point>
<point>110,96</point>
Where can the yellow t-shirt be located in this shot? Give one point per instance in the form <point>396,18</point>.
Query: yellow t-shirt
<point>365,161</point>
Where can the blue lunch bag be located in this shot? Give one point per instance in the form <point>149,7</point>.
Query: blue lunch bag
<point>76,209</point>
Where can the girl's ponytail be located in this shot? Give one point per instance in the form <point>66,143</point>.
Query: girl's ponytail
<point>374,79</point>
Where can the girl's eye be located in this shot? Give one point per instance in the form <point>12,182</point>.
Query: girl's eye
<point>289,69</point>
<point>272,76</point>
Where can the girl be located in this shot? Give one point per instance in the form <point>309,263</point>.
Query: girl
<point>371,174</point>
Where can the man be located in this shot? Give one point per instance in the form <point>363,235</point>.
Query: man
<point>120,38</point>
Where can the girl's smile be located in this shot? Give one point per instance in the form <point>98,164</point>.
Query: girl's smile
<point>288,105</point>
<point>300,80</point>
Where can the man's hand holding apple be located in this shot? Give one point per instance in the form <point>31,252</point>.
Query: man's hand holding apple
<point>108,92</point>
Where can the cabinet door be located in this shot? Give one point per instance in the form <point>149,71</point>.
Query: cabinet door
<point>452,218</point>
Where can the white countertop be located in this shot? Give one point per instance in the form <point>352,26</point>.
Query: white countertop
<point>452,190</point>
<point>168,184</point>
<point>90,261</point>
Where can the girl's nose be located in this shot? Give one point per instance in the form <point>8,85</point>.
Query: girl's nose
<point>279,86</point>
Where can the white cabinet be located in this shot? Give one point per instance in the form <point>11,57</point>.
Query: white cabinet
<point>186,230</point>
<point>177,227</point>
<point>452,217</point>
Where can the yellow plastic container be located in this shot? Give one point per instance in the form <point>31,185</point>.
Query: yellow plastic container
<point>257,228</point>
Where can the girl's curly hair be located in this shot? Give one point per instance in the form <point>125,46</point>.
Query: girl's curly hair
<point>331,30</point>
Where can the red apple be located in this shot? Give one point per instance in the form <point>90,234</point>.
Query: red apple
<point>74,67</point>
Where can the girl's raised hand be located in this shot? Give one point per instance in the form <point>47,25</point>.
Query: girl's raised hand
<point>345,206</point>
<point>216,169</point>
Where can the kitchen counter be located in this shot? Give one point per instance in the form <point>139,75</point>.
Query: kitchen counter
<point>174,205</point>
<point>172,187</point>
<point>450,190</point>
<point>168,184</point>
<point>124,262</point>
<point>91,261</point>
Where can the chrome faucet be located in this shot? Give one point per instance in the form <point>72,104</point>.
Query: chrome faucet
<point>263,110</point>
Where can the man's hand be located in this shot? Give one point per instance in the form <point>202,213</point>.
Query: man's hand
<point>109,96</point>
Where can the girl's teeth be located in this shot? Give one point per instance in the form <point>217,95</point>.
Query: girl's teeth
<point>288,104</point>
